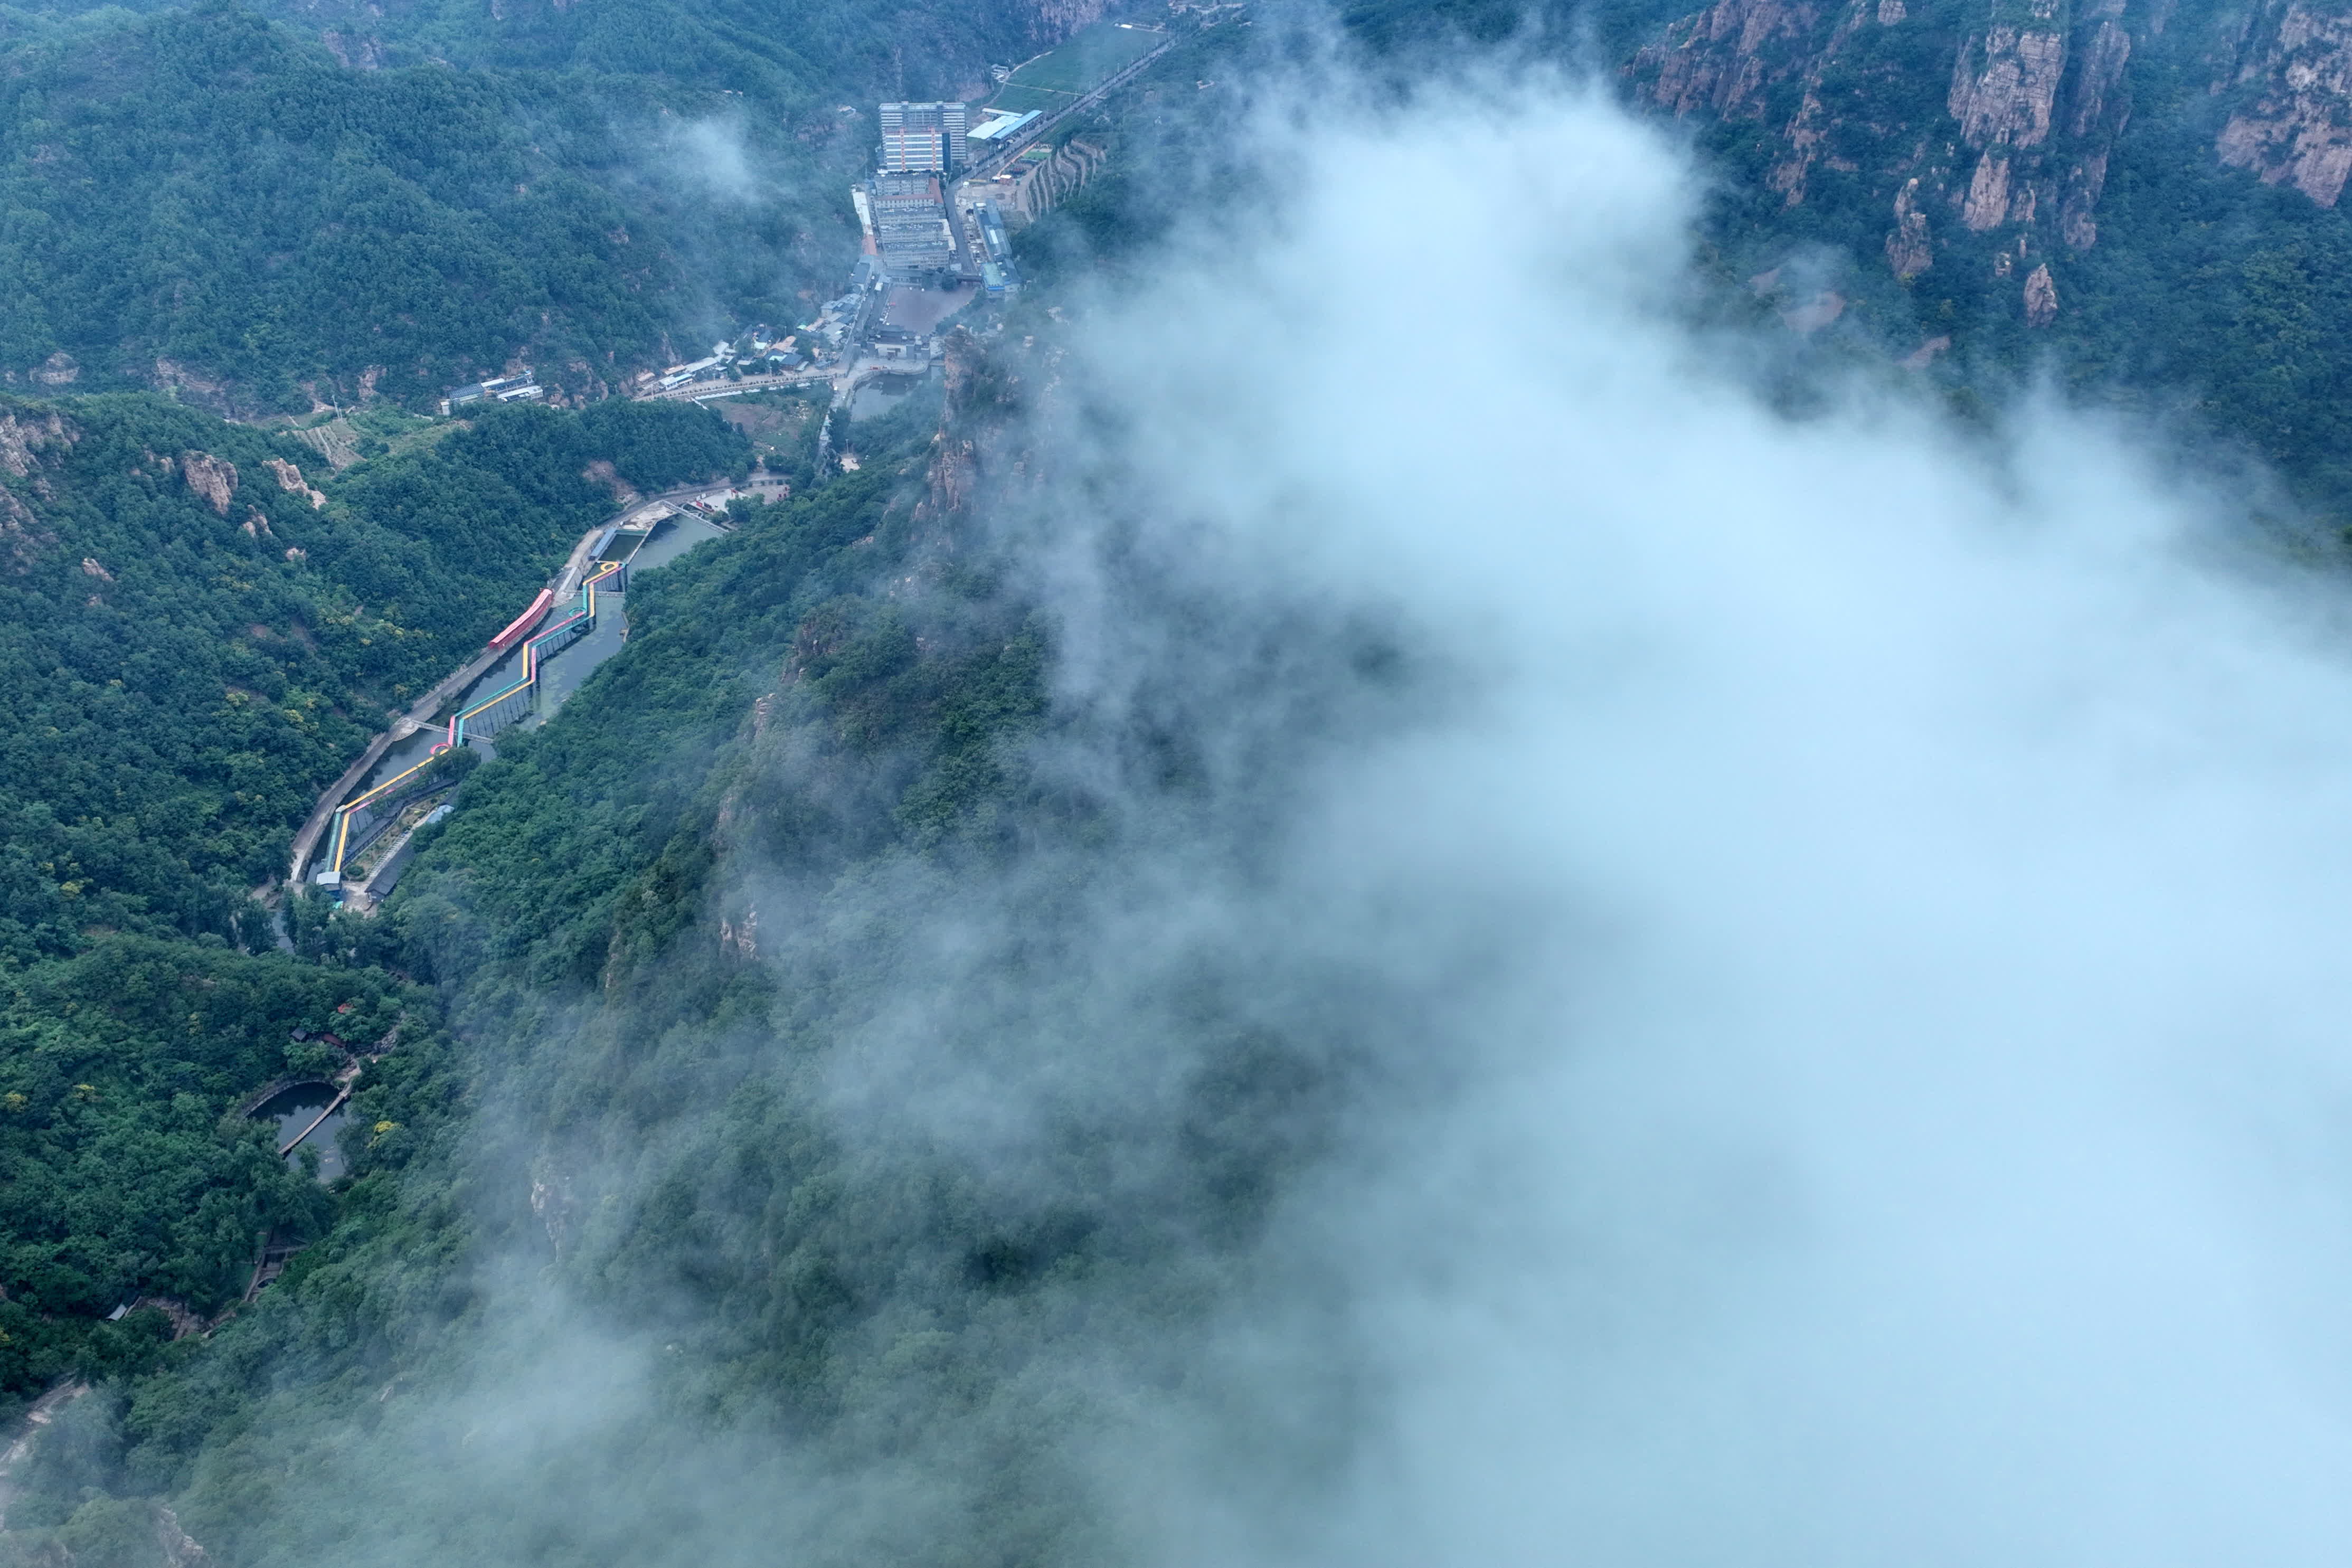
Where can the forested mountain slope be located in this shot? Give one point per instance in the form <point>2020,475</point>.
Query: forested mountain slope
<point>251,213</point>
<point>200,626</point>
<point>735,949</point>
<point>580,911</point>
<point>197,632</point>
<point>2145,198</point>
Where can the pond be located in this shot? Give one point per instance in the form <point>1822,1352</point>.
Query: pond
<point>296,1109</point>
<point>883,394</point>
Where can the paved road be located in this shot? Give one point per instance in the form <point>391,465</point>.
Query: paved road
<point>425,711</point>
<point>698,391</point>
<point>1011,149</point>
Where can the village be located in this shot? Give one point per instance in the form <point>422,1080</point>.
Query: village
<point>951,184</point>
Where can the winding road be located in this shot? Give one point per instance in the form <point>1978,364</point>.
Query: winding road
<point>426,710</point>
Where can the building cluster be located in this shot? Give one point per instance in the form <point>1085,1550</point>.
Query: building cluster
<point>918,233</point>
<point>756,353</point>
<point>506,389</point>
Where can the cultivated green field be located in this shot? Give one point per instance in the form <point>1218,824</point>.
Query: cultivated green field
<point>1021,99</point>
<point>1098,52</point>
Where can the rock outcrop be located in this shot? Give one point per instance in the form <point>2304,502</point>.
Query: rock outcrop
<point>2000,155</point>
<point>2005,82</point>
<point>1986,129</point>
<point>214,478</point>
<point>24,436</point>
<point>2296,127</point>
<point>1910,250</point>
<point>291,480</point>
<point>1722,59</point>
<point>2040,297</point>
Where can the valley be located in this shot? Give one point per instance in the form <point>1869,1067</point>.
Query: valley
<point>774,789</point>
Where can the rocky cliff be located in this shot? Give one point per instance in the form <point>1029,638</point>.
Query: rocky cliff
<point>2295,123</point>
<point>1981,134</point>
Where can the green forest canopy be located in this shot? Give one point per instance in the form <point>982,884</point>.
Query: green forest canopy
<point>179,679</point>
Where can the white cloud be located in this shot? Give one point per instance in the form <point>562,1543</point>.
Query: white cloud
<point>1905,1116</point>
<point>710,157</point>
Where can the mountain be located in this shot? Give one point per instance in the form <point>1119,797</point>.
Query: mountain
<point>688,1213</point>
<point>2144,199</point>
<point>268,215</point>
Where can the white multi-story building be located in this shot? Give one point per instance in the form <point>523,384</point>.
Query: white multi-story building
<point>923,138</point>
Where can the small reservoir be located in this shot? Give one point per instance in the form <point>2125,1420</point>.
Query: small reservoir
<point>295,1110</point>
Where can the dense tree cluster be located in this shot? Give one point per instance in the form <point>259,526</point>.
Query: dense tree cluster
<point>124,1173</point>
<point>190,650</point>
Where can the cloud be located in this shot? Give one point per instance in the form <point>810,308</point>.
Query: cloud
<point>1901,1114</point>
<point>1595,973</point>
<point>710,156</point>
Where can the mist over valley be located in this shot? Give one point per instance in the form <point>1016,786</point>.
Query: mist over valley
<point>1210,785</point>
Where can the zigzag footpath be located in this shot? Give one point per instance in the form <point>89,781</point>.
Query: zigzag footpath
<point>426,711</point>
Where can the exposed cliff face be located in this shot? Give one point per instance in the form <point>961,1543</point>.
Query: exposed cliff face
<point>2296,126</point>
<point>2005,81</point>
<point>1984,129</point>
<point>291,480</point>
<point>2001,153</point>
<point>24,434</point>
<point>214,478</point>
<point>1723,58</point>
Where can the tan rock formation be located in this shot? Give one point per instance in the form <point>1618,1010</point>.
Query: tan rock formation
<point>1717,59</point>
<point>2098,71</point>
<point>2040,297</point>
<point>1987,200</point>
<point>173,376</point>
<point>2298,128</point>
<point>291,480</point>
<point>2005,84</point>
<point>359,50</point>
<point>22,437</point>
<point>214,478</point>
<point>1908,249</point>
<point>22,533</point>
